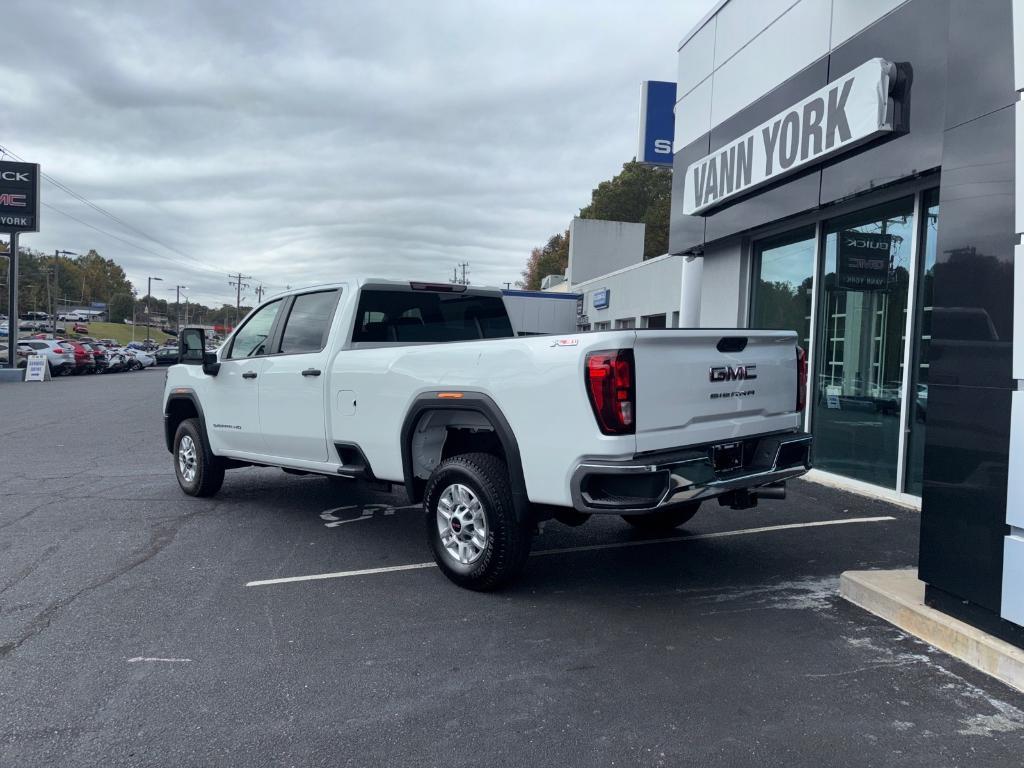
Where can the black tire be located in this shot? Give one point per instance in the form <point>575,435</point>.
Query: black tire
<point>665,519</point>
<point>507,540</point>
<point>208,474</point>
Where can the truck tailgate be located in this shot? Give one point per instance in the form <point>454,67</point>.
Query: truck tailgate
<point>699,386</point>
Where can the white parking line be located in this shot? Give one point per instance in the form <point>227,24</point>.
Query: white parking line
<point>588,548</point>
<point>156,658</point>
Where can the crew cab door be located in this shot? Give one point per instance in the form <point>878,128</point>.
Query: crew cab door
<point>231,398</point>
<point>293,384</point>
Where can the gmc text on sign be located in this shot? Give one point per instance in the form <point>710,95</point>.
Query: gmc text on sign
<point>850,110</point>
<point>19,197</point>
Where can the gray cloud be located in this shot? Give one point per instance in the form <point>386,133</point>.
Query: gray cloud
<point>302,141</point>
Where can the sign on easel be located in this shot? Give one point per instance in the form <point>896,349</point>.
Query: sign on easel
<point>37,369</point>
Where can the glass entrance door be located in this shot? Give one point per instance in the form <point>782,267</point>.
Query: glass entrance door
<point>918,412</point>
<point>862,322</point>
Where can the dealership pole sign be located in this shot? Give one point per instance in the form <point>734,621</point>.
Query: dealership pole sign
<point>657,122</point>
<point>849,111</point>
<point>19,197</point>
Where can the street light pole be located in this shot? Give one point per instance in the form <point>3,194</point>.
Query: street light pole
<point>149,299</point>
<point>177,306</point>
<point>56,285</point>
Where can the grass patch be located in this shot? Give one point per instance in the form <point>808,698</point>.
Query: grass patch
<point>122,333</point>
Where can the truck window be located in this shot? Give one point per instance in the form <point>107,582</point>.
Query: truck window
<point>309,322</point>
<point>423,316</point>
<point>251,339</point>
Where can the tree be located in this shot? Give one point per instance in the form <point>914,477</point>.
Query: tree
<point>639,193</point>
<point>552,259</point>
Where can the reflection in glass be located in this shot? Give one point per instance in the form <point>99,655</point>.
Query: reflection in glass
<point>782,289</point>
<point>918,412</point>
<point>859,369</point>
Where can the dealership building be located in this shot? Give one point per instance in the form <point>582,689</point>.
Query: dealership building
<point>847,169</point>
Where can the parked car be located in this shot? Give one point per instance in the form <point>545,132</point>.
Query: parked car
<point>60,360</point>
<point>79,328</point>
<point>99,355</point>
<point>84,360</point>
<point>20,352</point>
<point>166,356</point>
<point>118,361</point>
<point>143,359</point>
<point>427,386</point>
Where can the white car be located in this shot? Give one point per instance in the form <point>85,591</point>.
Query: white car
<point>61,360</point>
<point>144,359</point>
<point>427,386</point>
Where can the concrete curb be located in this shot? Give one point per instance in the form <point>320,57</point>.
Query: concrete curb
<point>898,597</point>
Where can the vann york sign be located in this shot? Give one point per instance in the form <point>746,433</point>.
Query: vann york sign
<point>19,197</point>
<point>849,111</point>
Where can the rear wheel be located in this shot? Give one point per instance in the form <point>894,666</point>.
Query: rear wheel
<point>471,522</point>
<point>664,519</point>
<point>199,472</point>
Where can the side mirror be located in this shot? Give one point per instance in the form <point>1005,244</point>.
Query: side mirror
<point>210,365</point>
<point>192,351</point>
<point>191,346</point>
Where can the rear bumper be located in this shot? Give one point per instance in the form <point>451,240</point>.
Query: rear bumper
<point>650,482</point>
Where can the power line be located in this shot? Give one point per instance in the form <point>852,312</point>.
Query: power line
<point>104,212</point>
<point>115,237</point>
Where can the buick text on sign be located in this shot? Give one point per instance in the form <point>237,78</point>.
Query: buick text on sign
<point>848,111</point>
<point>19,197</point>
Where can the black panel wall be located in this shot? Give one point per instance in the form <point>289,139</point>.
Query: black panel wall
<point>967,443</point>
<point>913,35</point>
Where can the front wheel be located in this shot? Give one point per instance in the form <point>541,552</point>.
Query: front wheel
<point>199,472</point>
<point>476,537</point>
<point>664,520</point>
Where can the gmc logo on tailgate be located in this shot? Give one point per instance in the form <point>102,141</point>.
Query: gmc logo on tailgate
<point>730,373</point>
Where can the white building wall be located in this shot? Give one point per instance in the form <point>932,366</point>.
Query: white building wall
<point>723,278</point>
<point>597,247</point>
<point>537,312</point>
<point>746,48</point>
<point>652,287</point>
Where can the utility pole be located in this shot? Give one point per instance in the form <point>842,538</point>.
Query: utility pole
<point>455,274</point>
<point>259,293</point>
<point>237,281</point>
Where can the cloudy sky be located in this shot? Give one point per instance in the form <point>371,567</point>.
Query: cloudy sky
<point>301,141</point>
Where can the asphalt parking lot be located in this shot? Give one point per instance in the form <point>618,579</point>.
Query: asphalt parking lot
<point>132,632</point>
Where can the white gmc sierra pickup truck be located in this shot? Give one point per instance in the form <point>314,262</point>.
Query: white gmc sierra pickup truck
<point>427,386</point>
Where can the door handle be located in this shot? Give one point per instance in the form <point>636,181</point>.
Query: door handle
<point>249,375</point>
<point>311,372</point>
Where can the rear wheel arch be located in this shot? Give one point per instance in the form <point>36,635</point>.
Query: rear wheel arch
<point>473,412</point>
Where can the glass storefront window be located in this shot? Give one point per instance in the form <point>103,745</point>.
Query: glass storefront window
<point>781,299</point>
<point>862,322</point>
<point>922,337</point>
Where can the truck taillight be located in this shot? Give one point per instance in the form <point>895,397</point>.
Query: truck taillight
<point>611,384</point>
<point>801,378</point>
